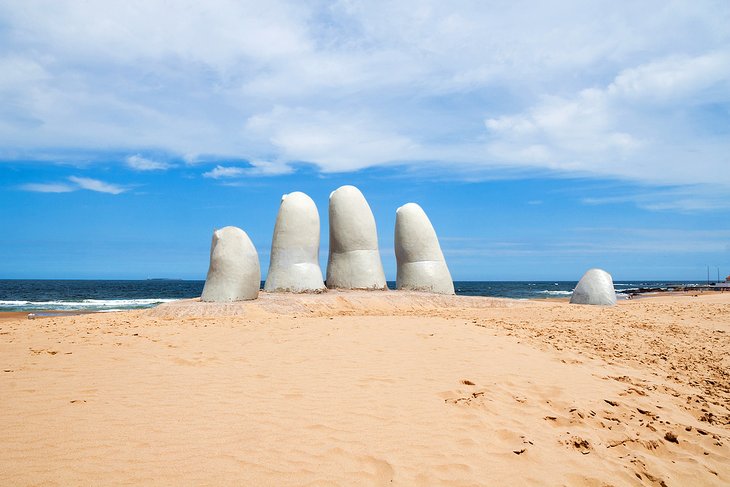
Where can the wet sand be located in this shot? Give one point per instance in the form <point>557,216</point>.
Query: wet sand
<point>371,389</point>
<point>13,315</point>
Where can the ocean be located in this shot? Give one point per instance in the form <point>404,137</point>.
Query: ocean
<point>107,295</point>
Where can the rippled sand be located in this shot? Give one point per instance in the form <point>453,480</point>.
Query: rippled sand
<point>370,388</point>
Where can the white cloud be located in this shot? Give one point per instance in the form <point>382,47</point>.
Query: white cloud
<point>139,163</point>
<point>96,185</point>
<point>78,183</point>
<point>576,88</point>
<point>258,168</point>
<point>646,125</point>
<point>48,187</point>
<point>220,172</point>
<point>673,79</point>
<point>269,168</point>
<point>685,199</point>
<point>332,141</point>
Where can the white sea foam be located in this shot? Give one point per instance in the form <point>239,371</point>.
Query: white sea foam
<point>556,293</point>
<point>85,304</point>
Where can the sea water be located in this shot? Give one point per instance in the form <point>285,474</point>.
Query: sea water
<point>89,295</point>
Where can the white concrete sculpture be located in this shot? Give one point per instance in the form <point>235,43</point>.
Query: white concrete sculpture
<point>354,259</point>
<point>595,287</point>
<point>421,264</point>
<point>234,273</point>
<point>294,263</point>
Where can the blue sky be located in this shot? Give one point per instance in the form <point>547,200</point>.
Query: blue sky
<point>541,140</point>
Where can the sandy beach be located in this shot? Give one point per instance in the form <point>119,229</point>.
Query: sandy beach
<point>378,388</point>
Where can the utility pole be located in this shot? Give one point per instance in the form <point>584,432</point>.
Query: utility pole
<point>708,275</point>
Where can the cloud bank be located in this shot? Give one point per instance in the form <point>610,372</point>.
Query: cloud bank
<point>631,91</point>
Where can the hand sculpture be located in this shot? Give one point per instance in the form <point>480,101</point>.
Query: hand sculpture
<point>595,287</point>
<point>421,264</point>
<point>354,259</point>
<point>294,263</point>
<point>234,273</point>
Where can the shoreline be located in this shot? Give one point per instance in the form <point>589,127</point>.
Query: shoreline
<point>46,313</point>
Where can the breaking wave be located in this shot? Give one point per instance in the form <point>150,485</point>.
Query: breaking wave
<point>83,305</point>
<point>556,293</point>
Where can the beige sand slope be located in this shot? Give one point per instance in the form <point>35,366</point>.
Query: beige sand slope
<point>378,388</point>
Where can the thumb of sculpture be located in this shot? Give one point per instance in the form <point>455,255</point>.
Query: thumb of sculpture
<point>595,287</point>
<point>234,273</point>
<point>294,265</point>
<point>421,264</point>
<point>354,259</point>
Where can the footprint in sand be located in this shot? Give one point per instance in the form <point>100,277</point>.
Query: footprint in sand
<point>468,399</point>
<point>579,444</point>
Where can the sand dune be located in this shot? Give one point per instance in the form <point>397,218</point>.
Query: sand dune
<point>370,388</point>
